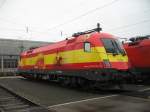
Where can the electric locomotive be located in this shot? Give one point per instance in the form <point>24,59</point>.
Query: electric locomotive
<point>87,58</point>
<point>138,51</point>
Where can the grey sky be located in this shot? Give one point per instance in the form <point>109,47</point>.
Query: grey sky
<point>47,18</point>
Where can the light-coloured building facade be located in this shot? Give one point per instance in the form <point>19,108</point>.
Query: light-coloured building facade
<point>10,50</point>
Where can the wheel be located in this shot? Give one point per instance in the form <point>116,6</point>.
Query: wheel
<point>84,84</point>
<point>64,81</point>
<point>73,82</point>
<point>121,86</point>
<point>34,76</point>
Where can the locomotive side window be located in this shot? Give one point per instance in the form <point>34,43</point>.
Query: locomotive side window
<point>87,46</point>
<point>108,44</point>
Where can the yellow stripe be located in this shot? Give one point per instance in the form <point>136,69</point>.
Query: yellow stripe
<point>50,58</point>
<point>28,61</point>
<point>75,56</point>
<point>117,58</point>
<point>97,54</point>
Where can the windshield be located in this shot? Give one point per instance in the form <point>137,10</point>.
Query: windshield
<point>113,46</point>
<point>119,46</point>
<point>108,44</point>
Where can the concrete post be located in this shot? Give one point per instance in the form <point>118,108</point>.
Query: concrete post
<point>2,63</point>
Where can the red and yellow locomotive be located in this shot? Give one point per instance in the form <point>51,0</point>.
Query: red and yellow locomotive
<point>88,57</point>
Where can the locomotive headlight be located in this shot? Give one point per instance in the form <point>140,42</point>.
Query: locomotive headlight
<point>106,63</point>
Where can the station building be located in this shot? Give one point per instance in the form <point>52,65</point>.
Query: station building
<point>10,50</point>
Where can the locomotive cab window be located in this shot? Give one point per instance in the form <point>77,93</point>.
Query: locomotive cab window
<point>87,46</point>
<point>113,46</point>
<point>108,44</point>
<point>120,47</point>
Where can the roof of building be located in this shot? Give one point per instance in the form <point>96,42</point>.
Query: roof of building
<point>15,47</point>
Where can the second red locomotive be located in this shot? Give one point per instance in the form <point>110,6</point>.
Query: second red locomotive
<point>87,58</point>
<point>138,51</point>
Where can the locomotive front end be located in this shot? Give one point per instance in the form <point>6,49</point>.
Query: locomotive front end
<point>113,61</point>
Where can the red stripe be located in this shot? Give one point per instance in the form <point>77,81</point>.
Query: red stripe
<point>78,66</point>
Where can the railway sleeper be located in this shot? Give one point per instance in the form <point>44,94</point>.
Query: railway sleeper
<point>11,104</point>
<point>16,107</point>
<point>15,103</point>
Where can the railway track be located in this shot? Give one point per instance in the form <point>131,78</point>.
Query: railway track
<point>11,102</point>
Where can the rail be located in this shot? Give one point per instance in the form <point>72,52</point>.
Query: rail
<point>12,102</point>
